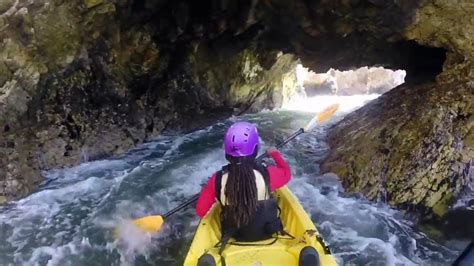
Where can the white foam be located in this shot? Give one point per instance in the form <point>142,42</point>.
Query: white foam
<point>131,242</point>
<point>318,103</point>
<point>352,224</point>
<point>56,255</point>
<point>46,211</point>
<point>186,181</point>
<point>87,203</point>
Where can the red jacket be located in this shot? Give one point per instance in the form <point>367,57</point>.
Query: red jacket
<point>280,175</point>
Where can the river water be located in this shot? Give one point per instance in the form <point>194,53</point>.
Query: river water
<point>70,220</point>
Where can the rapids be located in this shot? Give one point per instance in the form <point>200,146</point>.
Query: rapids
<point>70,220</point>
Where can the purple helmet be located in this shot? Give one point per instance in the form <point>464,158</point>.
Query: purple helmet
<point>241,139</point>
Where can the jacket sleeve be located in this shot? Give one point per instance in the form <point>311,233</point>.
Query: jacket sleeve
<point>207,198</point>
<point>280,174</point>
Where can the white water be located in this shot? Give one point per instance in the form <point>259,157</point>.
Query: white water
<point>318,103</point>
<point>70,220</point>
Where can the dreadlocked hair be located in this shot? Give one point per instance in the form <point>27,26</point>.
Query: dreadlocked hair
<point>240,191</point>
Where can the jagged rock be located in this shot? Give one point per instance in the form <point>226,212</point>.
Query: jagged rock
<point>446,24</point>
<point>92,3</point>
<point>89,79</point>
<point>6,5</point>
<point>413,144</point>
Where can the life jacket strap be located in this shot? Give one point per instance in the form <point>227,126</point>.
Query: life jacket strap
<point>225,239</point>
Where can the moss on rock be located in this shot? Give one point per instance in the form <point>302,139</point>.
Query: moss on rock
<point>425,140</point>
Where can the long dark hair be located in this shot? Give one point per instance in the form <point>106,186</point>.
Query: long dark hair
<point>240,191</point>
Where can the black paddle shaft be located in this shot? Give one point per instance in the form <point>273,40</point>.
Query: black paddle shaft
<point>182,206</point>
<point>260,157</point>
<point>467,256</point>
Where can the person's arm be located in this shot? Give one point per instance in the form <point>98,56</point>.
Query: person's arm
<point>207,198</point>
<point>280,174</point>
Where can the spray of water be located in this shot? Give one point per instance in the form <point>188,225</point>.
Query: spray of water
<point>318,103</point>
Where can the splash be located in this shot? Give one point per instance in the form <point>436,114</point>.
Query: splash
<point>318,103</point>
<point>130,242</point>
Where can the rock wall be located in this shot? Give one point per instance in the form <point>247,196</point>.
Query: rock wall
<point>413,146</point>
<point>81,80</point>
<point>410,147</point>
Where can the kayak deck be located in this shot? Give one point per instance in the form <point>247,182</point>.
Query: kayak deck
<point>283,250</point>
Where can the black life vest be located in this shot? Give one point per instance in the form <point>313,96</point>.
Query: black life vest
<point>266,220</point>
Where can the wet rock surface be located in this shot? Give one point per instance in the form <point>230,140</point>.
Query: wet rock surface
<point>411,147</point>
<point>82,80</point>
<point>446,125</point>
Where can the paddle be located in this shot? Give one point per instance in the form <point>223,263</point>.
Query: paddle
<point>467,256</point>
<point>153,224</point>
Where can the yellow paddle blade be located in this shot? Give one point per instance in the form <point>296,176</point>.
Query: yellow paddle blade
<point>327,113</point>
<point>321,117</point>
<point>150,224</point>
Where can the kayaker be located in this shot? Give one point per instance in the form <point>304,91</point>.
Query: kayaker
<point>244,187</point>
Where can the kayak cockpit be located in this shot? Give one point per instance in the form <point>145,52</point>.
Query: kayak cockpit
<point>303,239</point>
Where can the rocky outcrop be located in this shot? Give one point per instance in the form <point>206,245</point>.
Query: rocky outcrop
<point>364,80</point>
<point>80,80</point>
<point>413,146</point>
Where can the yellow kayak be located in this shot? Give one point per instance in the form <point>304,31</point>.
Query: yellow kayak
<point>282,250</point>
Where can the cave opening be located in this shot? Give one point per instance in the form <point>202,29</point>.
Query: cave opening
<point>351,89</point>
<point>359,81</point>
<point>365,77</point>
<point>422,63</point>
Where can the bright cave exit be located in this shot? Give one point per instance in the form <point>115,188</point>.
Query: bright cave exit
<point>351,89</point>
